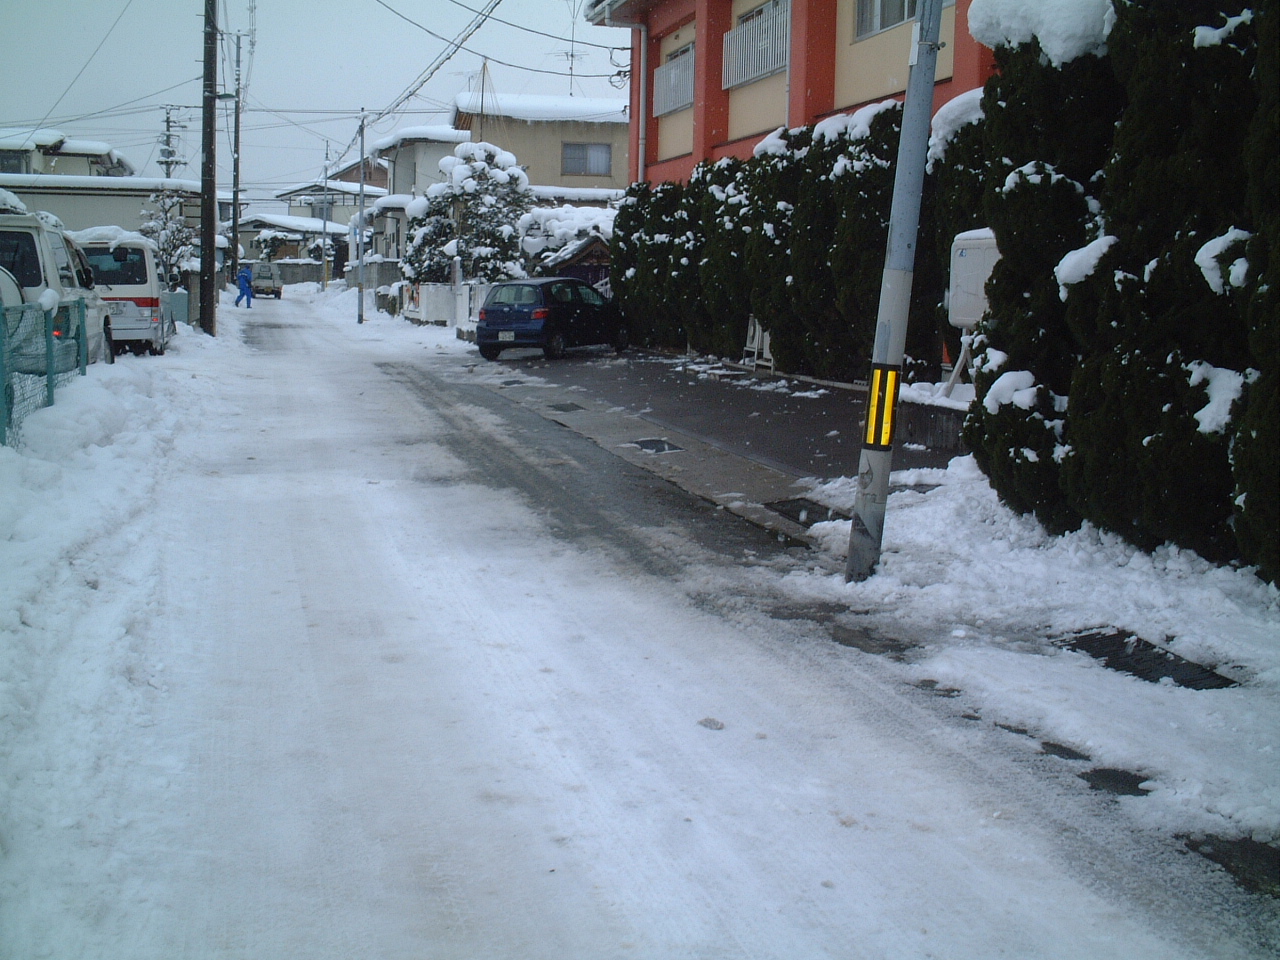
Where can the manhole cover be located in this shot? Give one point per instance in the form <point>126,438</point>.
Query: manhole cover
<point>512,383</point>
<point>805,512</point>
<point>566,407</point>
<point>1120,782</point>
<point>656,445</point>
<point>1119,650</point>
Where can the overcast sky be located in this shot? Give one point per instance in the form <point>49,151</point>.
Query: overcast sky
<point>308,56</point>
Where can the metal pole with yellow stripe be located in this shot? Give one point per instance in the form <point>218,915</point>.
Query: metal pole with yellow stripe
<point>895,300</point>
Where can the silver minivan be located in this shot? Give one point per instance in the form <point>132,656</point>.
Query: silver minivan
<point>126,275</point>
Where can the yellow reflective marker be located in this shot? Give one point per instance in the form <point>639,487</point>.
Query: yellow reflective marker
<point>882,405</point>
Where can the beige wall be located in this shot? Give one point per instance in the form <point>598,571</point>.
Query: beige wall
<point>538,148</point>
<point>675,130</point>
<point>876,67</point>
<point>758,107</point>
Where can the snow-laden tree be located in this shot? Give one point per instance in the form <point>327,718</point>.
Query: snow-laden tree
<point>164,224</point>
<point>270,242</point>
<point>474,214</point>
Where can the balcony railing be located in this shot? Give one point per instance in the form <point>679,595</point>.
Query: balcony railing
<point>758,48</point>
<point>673,85</point>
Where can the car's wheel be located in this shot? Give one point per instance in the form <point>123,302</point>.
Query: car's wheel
<point>621,340</point>
<point>553,348</point>
<point>490,353</point>
<point>278,292</point>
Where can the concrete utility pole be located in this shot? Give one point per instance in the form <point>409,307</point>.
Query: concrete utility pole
<point>895,300</point>
<point>324,229</point>
<point>360,227</point>
<point>235,175</point>
<point>209,173</point>
<point>168,156</point>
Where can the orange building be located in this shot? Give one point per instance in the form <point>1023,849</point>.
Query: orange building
<point>711,78</point>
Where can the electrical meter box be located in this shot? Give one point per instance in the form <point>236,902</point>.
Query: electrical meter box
<point>973,254</point>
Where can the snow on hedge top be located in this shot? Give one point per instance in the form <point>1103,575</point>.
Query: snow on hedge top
<point>849,126</point>
<point>1066,29</point>
<point>540,107</point>
<point>951,116</point>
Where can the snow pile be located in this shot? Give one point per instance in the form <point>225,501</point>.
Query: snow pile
<point>1223,387</point>
<point>9,203</point>
<point>1079,264</point>
<point>950,118</point>
<point>110,235</point>
<point>1066,29</point>
<point>546,230</point>
<point>1206,259</point>
<point>1216,36</point>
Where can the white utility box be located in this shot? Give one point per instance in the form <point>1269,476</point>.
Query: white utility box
<point>973,254</point>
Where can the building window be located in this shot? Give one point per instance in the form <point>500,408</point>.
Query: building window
<point>877,15</point>
<point>759,46</point>
<point>586,160</point>
<point>14,161</point>
<point>673,82</point>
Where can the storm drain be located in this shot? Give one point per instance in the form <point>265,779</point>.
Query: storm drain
<point>512,383</point>
<point>805,512</point>
<point>1119,650</point>
<point>566,407</point>
<point>655,445</point>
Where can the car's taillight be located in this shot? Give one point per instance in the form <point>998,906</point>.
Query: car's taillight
<point>484,314</point>
<point>540,313</point>
<point>145,301</point>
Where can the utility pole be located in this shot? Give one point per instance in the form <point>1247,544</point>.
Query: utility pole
<point>235,175</point>
<point>209,173</point>
<point>360,227</point>
<point>887,354</point>
<point>168,156</point>
<point>324,213</point>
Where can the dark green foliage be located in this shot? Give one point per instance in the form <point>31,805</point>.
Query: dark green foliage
<point>423,260</point>
<point>1047,131</point>
<point>1140,462</point>
<point>650,236</point>
<point>721,326</point>
<point>1255,456</point>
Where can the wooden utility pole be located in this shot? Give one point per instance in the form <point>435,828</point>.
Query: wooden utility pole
<point>209,173</point>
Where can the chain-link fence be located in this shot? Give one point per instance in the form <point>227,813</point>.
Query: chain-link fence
<point>39,351</point>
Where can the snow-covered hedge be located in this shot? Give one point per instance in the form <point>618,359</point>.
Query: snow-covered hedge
<point>1128,371</point>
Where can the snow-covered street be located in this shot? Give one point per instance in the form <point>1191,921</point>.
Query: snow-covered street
<point>306,655</point>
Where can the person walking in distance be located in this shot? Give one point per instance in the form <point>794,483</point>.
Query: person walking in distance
<point>245,279</point>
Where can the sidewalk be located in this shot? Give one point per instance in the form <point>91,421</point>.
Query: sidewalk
<point>741,441</point>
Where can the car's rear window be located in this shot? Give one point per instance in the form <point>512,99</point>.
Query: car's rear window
<point>514,295</point>
<point>18,255</point>
<point>127,272</point>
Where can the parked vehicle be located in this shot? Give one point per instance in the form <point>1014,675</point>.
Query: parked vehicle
<point>35,249</point>
<point>553,313</point>
<point>267,280</point>
<point>126,274</point>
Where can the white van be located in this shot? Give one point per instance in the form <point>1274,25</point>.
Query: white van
<point>126,275</point>
<point>50,267</point>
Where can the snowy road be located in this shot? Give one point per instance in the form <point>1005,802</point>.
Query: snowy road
<point>399,669</point>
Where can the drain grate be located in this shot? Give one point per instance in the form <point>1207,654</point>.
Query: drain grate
<point>656,445</point>
<point>566,407</point>
<point>1255,866</point>
<point>1119,650</point>
<point>805,512</point>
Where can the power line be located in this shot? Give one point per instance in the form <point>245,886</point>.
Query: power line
<point>551,36</point>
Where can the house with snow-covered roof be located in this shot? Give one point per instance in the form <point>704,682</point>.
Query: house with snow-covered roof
<point>45,151</point>
<point>562,142</point>
<point>337,200</point>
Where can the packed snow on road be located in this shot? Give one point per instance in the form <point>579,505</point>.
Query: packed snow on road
<point>283,674</point>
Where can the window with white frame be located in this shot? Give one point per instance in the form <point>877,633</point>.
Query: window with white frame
<point>759,46</point>
<point>586,160</point>
<point>877,15</point>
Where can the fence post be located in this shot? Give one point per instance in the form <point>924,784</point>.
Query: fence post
<point>50,365</point>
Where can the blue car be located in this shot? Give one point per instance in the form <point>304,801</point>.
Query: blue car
<point>553,313</point>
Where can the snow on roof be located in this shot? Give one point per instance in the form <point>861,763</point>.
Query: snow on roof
<point>24,138</point>
<point>57,181</point>
<point>293,224</point>
<point>439,133</point>
<point>110,235</point>
<point>9,203</point>
<point>332,186</point>
<point>580,194</point>
<point>1066,29</point>
<point>541,107</point>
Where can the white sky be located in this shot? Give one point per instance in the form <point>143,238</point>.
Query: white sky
<point>339,55</point>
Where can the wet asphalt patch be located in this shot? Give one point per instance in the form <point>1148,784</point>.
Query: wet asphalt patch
<point>805,512</point>
<point>1121,650</point>
<point>1255,866</point>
